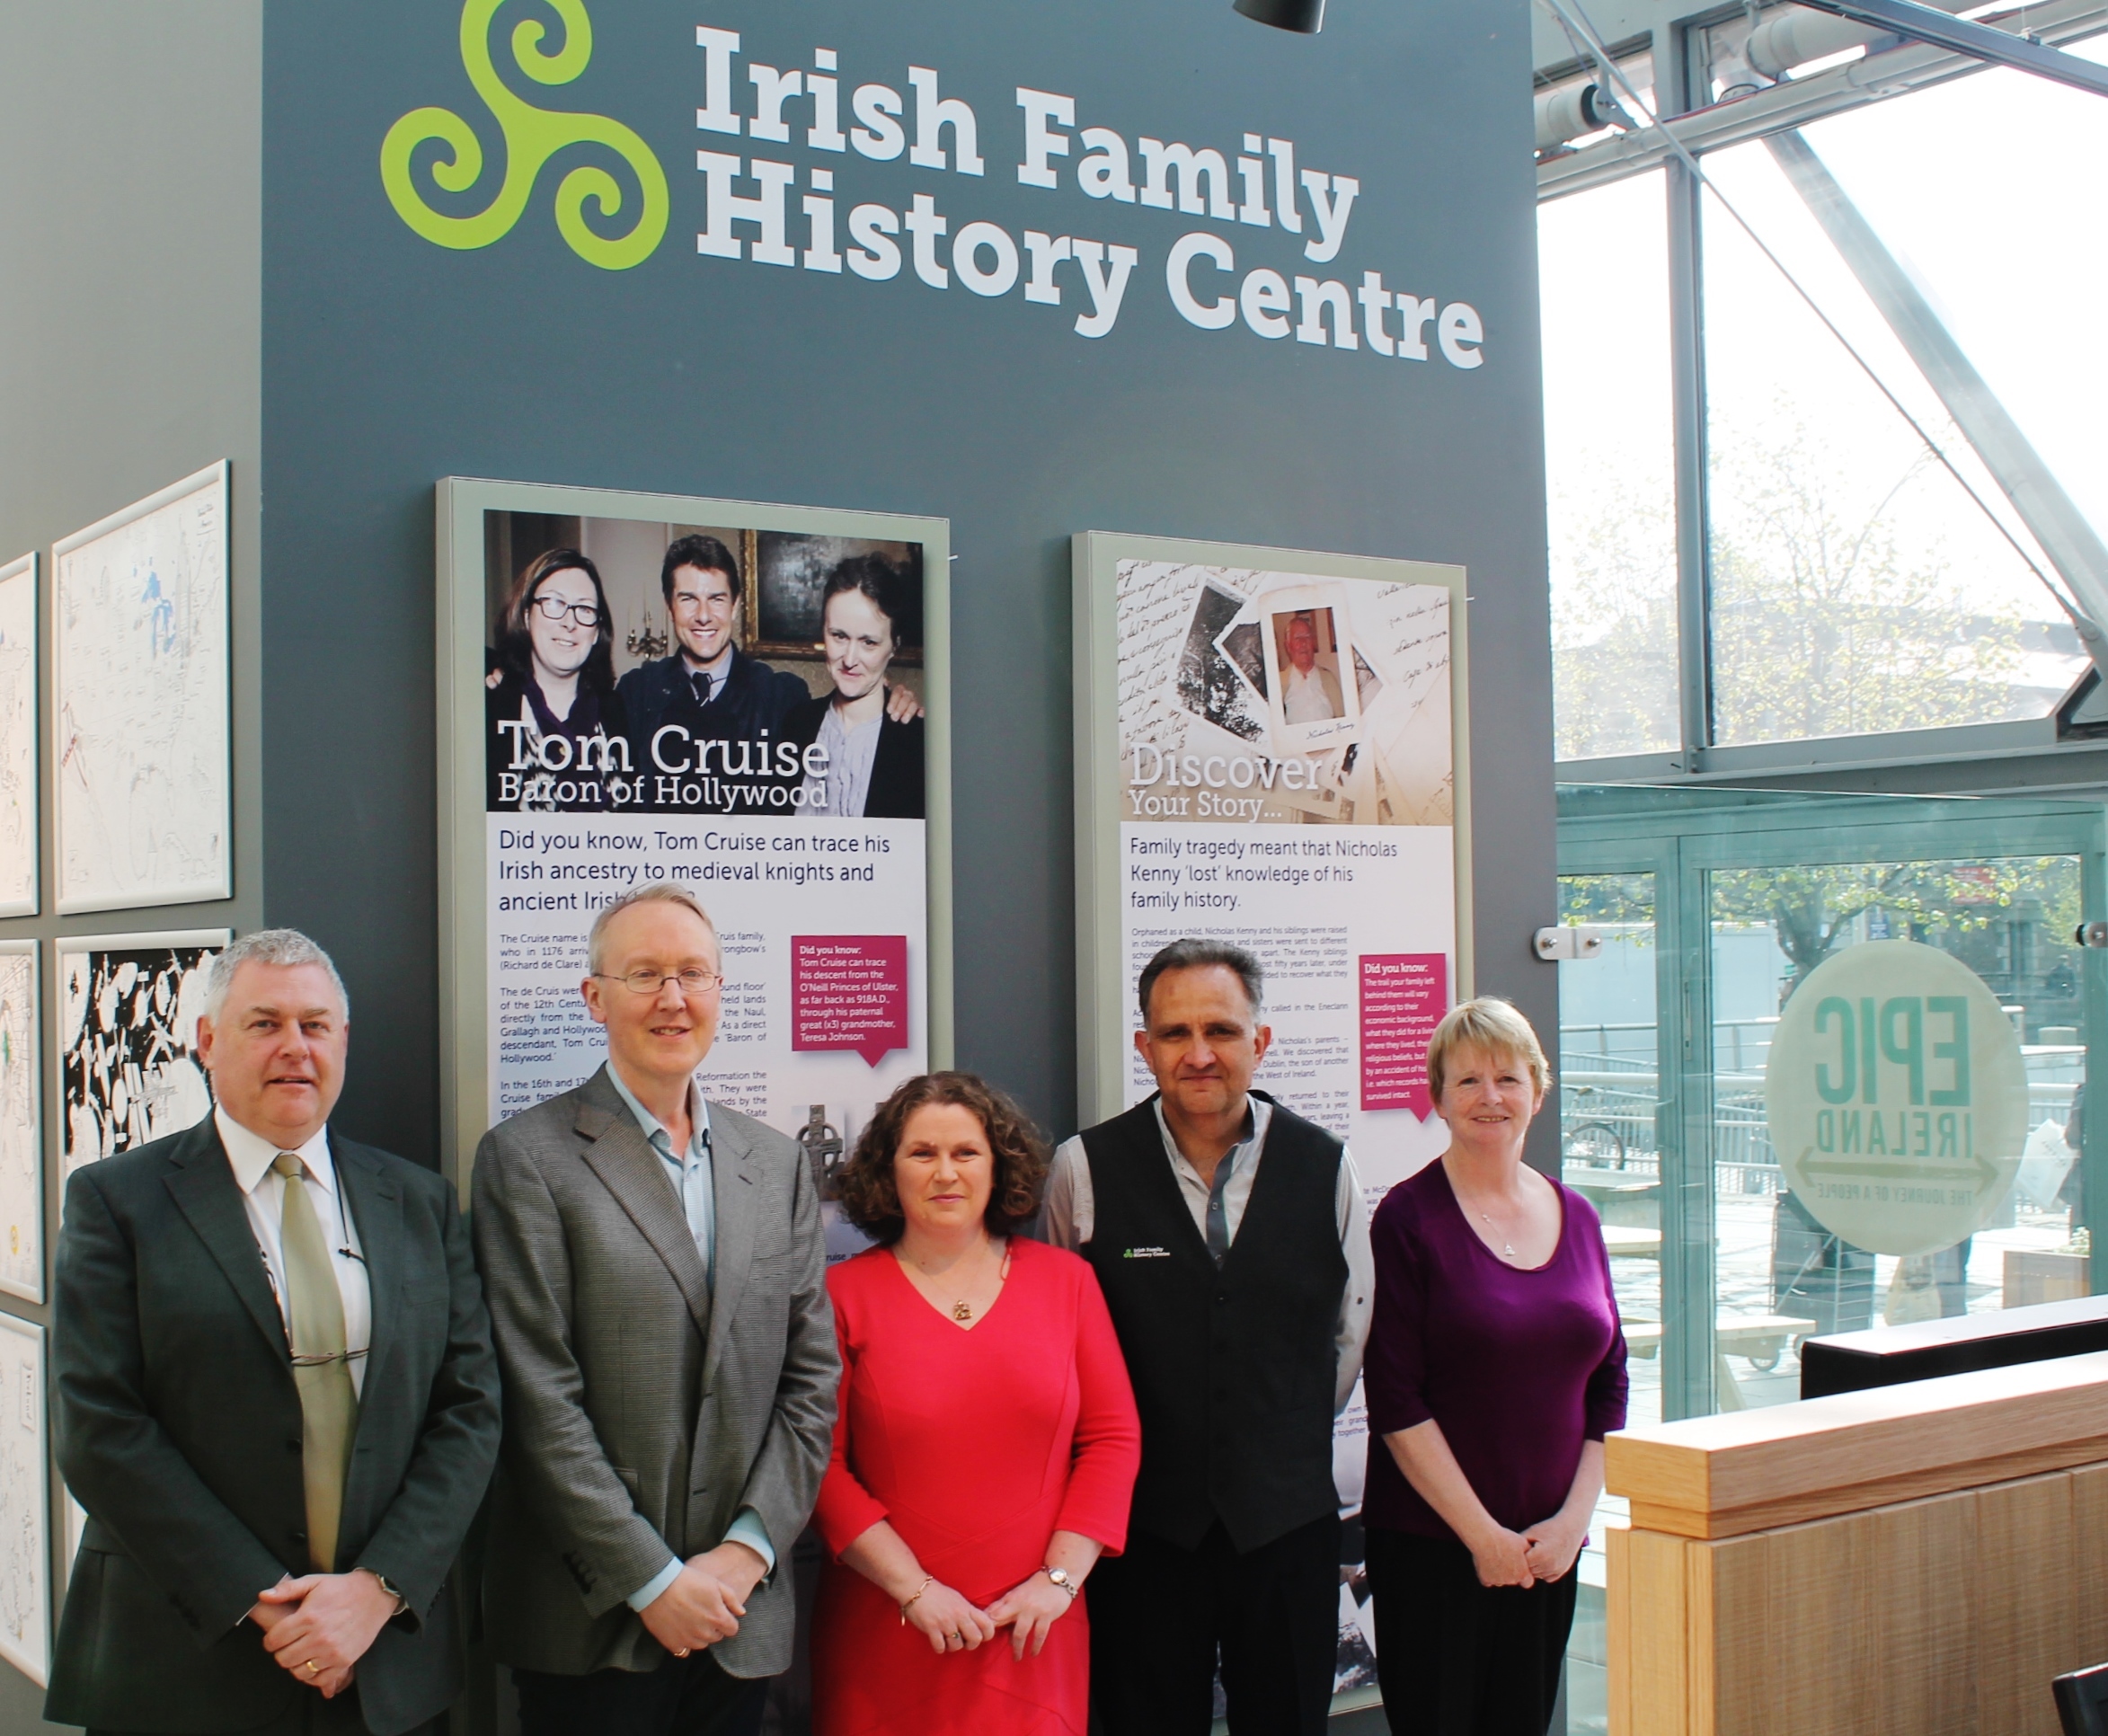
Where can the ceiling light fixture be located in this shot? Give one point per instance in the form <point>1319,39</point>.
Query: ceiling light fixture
<point>1305,17</point>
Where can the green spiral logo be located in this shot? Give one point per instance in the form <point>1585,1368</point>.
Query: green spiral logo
<point>532,136</point>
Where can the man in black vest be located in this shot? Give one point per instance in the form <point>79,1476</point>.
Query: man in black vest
<point>1232,1243</point>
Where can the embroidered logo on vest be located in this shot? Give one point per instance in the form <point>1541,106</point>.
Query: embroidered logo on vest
<point>1146,1253</point>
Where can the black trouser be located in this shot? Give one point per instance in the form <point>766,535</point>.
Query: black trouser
<point>310,1715</point>
<point>1160,1617</point>
<point>1455,1658</point>
<point>684,1697</point>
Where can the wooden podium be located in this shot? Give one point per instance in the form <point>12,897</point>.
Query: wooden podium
<point>1920,1559</point>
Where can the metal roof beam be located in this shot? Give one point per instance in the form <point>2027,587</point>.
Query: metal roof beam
<point>1963,36</point>
<point>2066,535</point>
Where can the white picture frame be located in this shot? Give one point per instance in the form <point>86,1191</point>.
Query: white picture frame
<point>141,732</point>
<point>25,1501</point>
<point>468,1005</point>
<point>1277,614</point>
<point>123,1083</point>
<point>21,1121</point>
<point>21,665</point>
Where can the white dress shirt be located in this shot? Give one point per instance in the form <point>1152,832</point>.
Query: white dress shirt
<point>263,1193</point>
<point>1071,1218</point>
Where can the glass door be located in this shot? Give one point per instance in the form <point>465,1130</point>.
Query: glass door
<point>1891,1211</point>
<point>1826,1071</point>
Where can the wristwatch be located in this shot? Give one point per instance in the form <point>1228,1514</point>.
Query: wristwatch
<point>381,1579</point>
<point>1059,1575</point>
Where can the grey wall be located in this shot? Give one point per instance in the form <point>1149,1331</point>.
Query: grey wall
<point>391,362</point>
<point>129,350</point>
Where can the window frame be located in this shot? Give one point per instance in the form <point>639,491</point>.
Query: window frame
<point>2031,753</point>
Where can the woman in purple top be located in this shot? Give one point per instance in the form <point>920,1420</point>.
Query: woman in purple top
<point>1495,1366</point>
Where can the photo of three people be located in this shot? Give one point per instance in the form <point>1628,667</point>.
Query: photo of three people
<point>640,668</point>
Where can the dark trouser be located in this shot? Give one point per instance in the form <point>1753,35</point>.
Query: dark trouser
<point>684,1697</point>
<point>1455,1658</point>
<point>1160,1615</point>
<point>312,1716</point>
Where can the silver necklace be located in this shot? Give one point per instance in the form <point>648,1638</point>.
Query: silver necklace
<point>1507,1248</point>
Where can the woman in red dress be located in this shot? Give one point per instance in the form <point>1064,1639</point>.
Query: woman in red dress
<point>987,1444</point>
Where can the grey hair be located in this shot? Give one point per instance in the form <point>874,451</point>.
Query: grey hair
<point>266,946</point>
<point>661,891</point>
<point>1198,954</point>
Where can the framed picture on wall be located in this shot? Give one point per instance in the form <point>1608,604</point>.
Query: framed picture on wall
<point>140,698</point>
<point>18,737</point>
<point>791,570</point>
<point>22,1122</point>
<point>25,1502</point>
<point>128,1033</point>
<point>751,701</point>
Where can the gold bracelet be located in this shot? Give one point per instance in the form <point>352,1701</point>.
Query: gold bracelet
<point>919,1590</point>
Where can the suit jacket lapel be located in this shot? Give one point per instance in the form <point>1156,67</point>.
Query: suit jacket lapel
<point>627,1166</point>
<point>730,1176</point>
<point>202,1184</point>
<point>374,1204</point>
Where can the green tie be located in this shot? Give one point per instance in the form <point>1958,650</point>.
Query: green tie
<point>314,1322</point>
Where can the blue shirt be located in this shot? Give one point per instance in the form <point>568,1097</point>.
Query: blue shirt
<point>693,1183</point>
<point>695,1188</point>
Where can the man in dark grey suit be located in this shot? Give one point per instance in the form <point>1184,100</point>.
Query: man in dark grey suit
<point>274,1393</point>
<point>655,1265</point>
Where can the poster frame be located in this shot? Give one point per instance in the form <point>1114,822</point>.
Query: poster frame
<point>217,475</point>
<point>38,1668</point>
<point>30,950</point>
<point>1103,1026</point>
<point>464,1085</point>
<point>31,565</point>
<point>62,946</point>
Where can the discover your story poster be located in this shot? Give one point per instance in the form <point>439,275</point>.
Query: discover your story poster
<point>741,711</point>
<point>1287,782</point>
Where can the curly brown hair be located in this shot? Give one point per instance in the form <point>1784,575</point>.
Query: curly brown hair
<point>869,1197</point>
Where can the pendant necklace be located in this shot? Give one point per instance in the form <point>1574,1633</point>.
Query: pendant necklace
<point>962,1310</point>
<point>1507,1248</point>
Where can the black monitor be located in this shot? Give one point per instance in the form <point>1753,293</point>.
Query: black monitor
<point>1849,1362</point>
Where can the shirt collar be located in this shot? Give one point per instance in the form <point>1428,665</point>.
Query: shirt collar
<point>654,1130</point>
<point>719,672</point>
<point>251,1155</point>
<point>1258,1114</point>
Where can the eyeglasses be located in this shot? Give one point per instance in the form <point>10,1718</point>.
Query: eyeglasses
<point>650,982</point>
<point>554,608</point>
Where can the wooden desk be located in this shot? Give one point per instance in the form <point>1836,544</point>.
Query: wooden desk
<point>1911,1558</point>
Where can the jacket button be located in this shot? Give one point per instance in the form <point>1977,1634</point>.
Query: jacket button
<point>1221,1298</point>
<point>292,1446</point>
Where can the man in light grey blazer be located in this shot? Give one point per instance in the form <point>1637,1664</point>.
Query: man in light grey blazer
<point>654,1265</point>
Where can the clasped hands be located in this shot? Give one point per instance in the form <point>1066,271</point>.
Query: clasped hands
<point>952,1622</point>
<point>318,1626</point>
<point>1544,1553</point>
<point>706,1603</point>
